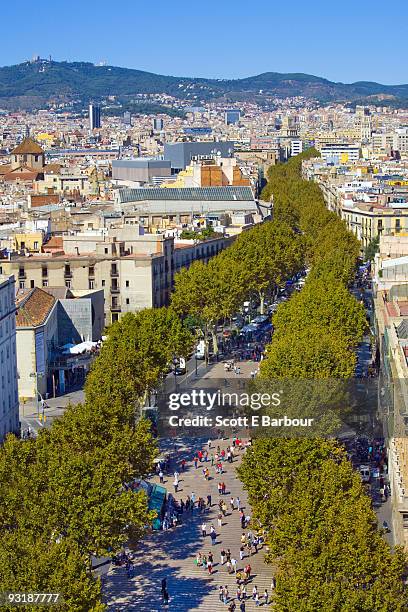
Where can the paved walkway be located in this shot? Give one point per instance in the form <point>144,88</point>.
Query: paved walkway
<point>171,554</point>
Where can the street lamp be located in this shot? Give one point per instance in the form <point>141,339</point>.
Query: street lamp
<point>175,363</point>
<point>37,375</point>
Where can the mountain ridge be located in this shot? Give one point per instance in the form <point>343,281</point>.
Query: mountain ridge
<point>44,81</point>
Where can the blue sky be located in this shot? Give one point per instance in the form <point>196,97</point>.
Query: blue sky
<point>342,41</point>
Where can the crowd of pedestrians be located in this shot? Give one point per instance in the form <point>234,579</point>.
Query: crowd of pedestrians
<point>214,461</point>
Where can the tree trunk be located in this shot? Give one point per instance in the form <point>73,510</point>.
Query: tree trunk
<point>214,339</point>
<point>262,299</point>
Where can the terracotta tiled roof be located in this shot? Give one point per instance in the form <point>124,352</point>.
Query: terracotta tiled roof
<point>27,146</point>
<point>5,168</point>
<point>33,308</point>
<point>391,309</point>
<point>52,168</point>
<point>22,172</point>
<point>54,242</point>
<point>403,308</point>
<point>40,199</point>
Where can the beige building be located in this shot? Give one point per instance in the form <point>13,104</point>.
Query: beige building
<point>135,270</point>
<point>367,221</point>
<point>391,318</point>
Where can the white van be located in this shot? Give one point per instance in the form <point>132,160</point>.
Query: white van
<point>200,350</point>
<point>365,473</point>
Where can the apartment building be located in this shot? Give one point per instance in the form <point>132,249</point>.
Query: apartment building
<point>9,419</point>
<point>134,269</point>
<point>391,321</point>
<point>367,220</point>
<point>340,153</point>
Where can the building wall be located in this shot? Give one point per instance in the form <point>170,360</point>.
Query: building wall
<point>9,418</point>
<point>26,362</point>
<point>35,348</point>
<point>181,153</point>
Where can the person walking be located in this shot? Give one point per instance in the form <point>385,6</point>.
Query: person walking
<point>161,477</point>
<point>273,583</point>
<point>242,606</point>
<point>266,597</point>
<point>209,564</point>
<point>195,462</point>
<point>225,595</point>
<point>213,535</point>
<point>203,530</point>
<point>254,593</point>
<point>222,556</point>
<point>219,519</point>
<point>232,504</point>
<point>163,585</point>
<point>238,504</point>
<point>175,483</point>
<point>220,593</point>
<point>209,501</point>
<point>234,565</point>
<point>242,553</point>
<point>256,599</point>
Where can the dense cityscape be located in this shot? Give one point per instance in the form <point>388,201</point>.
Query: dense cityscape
<point>203,337</point>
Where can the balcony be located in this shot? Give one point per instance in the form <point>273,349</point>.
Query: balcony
<point>114,273</point>
<point>115,289</point>
<point>116,307</point>
<point>67,274</point>
<point>22,274</point>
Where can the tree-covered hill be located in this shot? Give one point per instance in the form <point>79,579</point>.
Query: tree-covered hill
<point>40,81</point>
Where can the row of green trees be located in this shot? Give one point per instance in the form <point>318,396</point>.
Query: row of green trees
<point>62,495</point>
<point>321,530</point>
<point>254,266</point>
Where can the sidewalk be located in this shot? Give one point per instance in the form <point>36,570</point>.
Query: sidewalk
<point>170,554</point>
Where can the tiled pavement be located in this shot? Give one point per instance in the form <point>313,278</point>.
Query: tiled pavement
<point>171,554</point>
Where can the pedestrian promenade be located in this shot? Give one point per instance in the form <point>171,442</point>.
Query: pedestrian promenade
<point>170,554</point>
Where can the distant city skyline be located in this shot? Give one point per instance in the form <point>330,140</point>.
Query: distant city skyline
<point>216,40</point>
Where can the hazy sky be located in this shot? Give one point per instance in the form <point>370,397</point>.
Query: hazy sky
<point>343,41</point>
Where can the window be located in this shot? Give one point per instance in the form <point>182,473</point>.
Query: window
<point>68,284</point>
<point>91,271</point>
<point>103,283</point>
<point>127,283</point>
<point>44,271</point>
<point>127,301</point>
<point>32,284</point>
<point>91,284</point>
<point>397,225</point>
<point>22,284</point>
<point>106,250</point>
<point>35,244</point>
<point>45,283</point>
<point>21,273</point>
